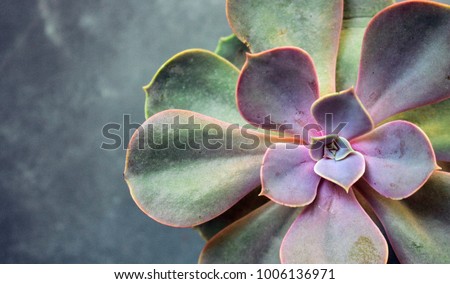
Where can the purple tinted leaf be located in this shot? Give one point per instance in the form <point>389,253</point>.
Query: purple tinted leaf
<point>343,108</point>
<point>431,120</point>
<point>399,158</point>
<point>287,175</point>
<point>405,62</point>
<point>343,172</point>
<point>334,229</point>
<point>277,87</point>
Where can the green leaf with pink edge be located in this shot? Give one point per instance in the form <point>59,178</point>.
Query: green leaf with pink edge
<point>232,49</point>
<point>246,205</point>
<point>364,8</point>
<point>408,41</point>
<point>434,120</point>
<point>196,80</point>
<point>312,25</point>
<point>334,229</point>
<point>256,238</point>
<point>399,158</point>
<point>183,183</point>
<point>418,227</point>
<point>287,175</point>
<point>357,14</point>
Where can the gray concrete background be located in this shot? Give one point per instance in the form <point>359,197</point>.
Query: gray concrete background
<point>66,69</point>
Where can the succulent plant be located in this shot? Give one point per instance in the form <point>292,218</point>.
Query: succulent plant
<point>328,172</point>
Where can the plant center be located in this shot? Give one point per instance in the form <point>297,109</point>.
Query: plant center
<point>331,147</point>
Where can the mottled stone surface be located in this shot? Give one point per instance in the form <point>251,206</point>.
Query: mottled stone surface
<point>66,69</point>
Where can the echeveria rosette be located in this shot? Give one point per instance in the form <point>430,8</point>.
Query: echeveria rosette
<point>396,159</point>
<point>260,234</point>
<point>282,84</point>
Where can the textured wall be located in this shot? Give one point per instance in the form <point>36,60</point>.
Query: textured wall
<point>67,68</point>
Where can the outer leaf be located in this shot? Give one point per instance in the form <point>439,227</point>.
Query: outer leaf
<point>350,52</point>
<point>392,258</point>
<point>334,229</point>
<point>312,25</point>
<point>246,205</point>
<point>405,62</point>
<point>418,227</point>
<point>364,8</point>
<point>177,178</point>
<point>434,121</point>
<point>196,80</point>
<point>357,14</point>
<point>399,158</point>
<point>440,1</point>
<point>344,172</point>
<point>287,175</point>
<point>232,49</point>
<point>277,87</point>
<point>345,108</point>
<point>256,238</point>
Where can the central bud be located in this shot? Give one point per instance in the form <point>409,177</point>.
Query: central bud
<point>331,147</point>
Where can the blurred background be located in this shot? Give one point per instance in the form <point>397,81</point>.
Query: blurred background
<point>66,69</point>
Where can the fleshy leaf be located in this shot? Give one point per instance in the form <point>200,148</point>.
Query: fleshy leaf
<point>256,238</point>
<point>343,172</point>
<point>357,14</point>
<point>232,49</point>
<point>392,258</point>
<point>196,80</point>
<point>364,8</point>
<point>312,25</point>
<point>246,205</point>
<point>399,158</point>
<point>350,52</point>
<point>345,149</point>
<point>180,177</point>
<point>334,229</point>
<point>287,175</point>
<point>434,121</point>
<point>277,87</point>
<point>342,108</point>
<point>418,227</point>
<point>405,62</point>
